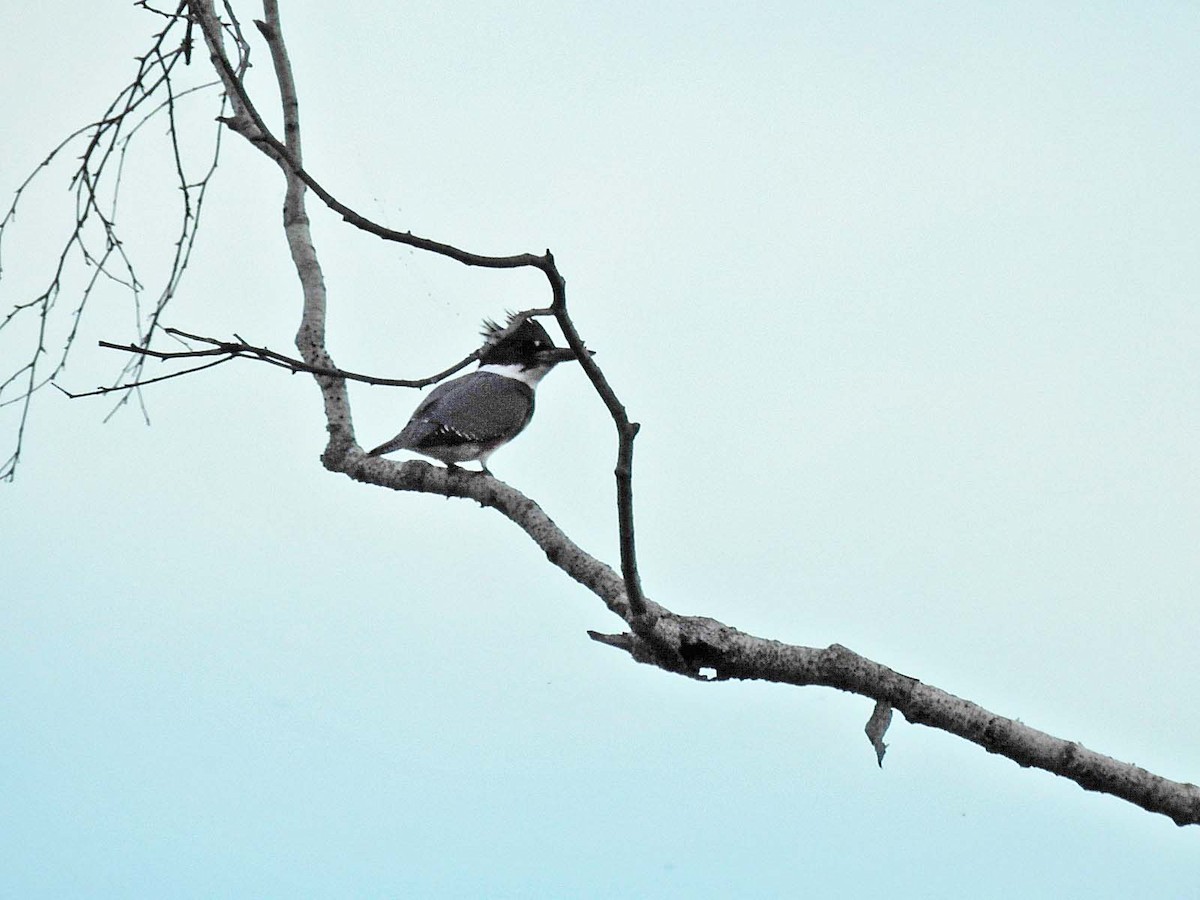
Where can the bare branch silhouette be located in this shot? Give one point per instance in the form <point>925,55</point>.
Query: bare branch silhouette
<point>239,349</point>
<point>696,647</point>
<point>683,644</point>
<point>94,241</point>
<point>249,123</point>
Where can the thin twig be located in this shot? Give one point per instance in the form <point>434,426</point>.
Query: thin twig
<point>100,170</point>
<point>252,126</point>
<point>125,387</point>
<point>242,350</point>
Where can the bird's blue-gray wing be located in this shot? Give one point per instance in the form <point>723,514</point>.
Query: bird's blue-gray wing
<point>481,408</point>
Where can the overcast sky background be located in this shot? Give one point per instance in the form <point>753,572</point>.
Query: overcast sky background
<point>905,297</point>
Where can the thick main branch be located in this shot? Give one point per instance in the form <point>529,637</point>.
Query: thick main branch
<point>683,644</point>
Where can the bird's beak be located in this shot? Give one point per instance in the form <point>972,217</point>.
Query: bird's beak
<point>559,354</point>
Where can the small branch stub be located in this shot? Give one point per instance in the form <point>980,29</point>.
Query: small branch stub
<point>877,727</point>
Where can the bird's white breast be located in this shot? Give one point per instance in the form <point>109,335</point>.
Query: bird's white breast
<point>530,377</point>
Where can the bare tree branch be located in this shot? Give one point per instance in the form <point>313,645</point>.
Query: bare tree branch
<point>249,123</point>
<point>696,647</point>
<point>94,241</point>
<point>239,349</point>
<point>100,391</point>
<point>683,644</point>
<point>696,644</point>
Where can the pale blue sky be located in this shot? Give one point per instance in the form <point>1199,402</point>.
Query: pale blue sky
<point>905,297</point>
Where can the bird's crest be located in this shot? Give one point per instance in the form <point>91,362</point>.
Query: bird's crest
<point>519,330</point>
<point>493,332</point>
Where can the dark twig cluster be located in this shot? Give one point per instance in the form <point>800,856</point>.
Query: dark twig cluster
<point>94,241</point>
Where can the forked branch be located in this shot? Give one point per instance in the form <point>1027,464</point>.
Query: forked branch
<point>696,647</point>
<point>687,645</point>
<point>248,122</point>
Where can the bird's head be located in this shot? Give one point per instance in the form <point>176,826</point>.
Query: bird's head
<point>525,345</point>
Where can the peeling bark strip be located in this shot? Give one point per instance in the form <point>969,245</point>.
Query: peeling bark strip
<point>682,644</point>
<point>877,727</point>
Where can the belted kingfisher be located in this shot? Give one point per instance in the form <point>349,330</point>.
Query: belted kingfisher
<point>468,418</point>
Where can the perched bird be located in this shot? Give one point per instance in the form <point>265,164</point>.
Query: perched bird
<point>468,418</point>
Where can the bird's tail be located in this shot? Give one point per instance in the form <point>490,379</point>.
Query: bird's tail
<point>415,434</point>
<point>396,443</point>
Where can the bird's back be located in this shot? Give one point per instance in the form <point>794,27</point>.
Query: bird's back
<point>477,411</point>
